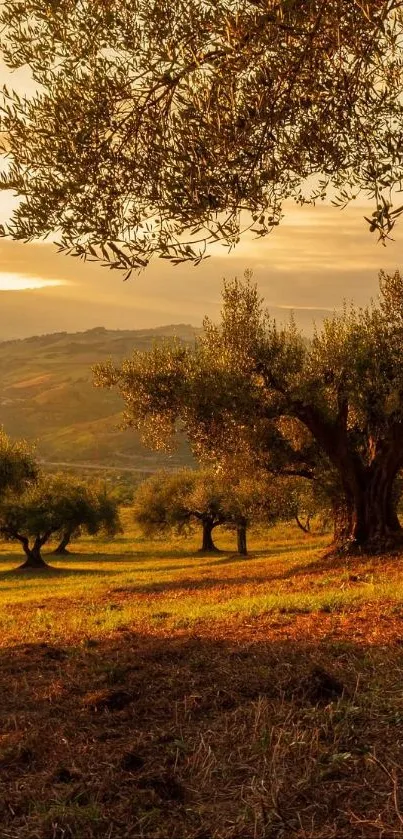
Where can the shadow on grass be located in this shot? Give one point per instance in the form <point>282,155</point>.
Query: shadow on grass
<point>158,732</point>
<point>50,572</point>
<point>329,562</point>
<point>134,556</point>
<point>268,552</point>
<point>192,584</point>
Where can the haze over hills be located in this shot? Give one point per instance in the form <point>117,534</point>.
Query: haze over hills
<point>47,397</point>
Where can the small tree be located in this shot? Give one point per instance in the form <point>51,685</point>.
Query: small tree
<point>176,501</point>
<point>210,498</point>
<point>17,463</point>
<point>92,510</point>
<point>45,509</point>
<point>256,498</point>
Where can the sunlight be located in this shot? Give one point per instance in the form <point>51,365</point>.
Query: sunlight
<point>18,282</point>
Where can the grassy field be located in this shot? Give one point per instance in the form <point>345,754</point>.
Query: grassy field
<point>151,691</point>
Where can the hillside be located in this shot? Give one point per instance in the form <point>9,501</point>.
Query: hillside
<point>47,397</point>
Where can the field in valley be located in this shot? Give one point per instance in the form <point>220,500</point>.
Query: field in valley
<point>151,691</point>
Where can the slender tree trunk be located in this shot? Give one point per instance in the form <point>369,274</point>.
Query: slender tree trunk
<point>208,545</point>
<point>241,539</point>
<point>61,549</point>
<point>306,528</point>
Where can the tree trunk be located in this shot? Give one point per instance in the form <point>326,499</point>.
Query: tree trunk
<point>34,560</point>
<point>369,522</point>
<point>241,539</point>
<point>306,528</point>
<point>208,545</point>
<point>61,549</point>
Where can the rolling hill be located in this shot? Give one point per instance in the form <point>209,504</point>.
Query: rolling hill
<point>47,397</point>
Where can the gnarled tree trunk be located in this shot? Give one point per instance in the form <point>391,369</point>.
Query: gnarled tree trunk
<point>368,522</point>
<point>34,559</point>
<point>208,545</point>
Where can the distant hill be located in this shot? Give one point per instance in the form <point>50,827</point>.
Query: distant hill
<point>47,397</point>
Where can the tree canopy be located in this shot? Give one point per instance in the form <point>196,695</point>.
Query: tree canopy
<point>92,509</point>
<point>247,376</point>
<point>48,507</point>
<point>17,463</point>
<point>177,500</point>
<point>162,128</point>
<point>209,497</point>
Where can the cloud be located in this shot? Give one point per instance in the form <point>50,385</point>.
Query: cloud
<point>20,282</point>
<point>315,260</point>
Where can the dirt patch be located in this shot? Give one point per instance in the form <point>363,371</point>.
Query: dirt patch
<point>253,729</point>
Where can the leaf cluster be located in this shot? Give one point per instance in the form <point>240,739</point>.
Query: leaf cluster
<point>17,463</point>
<point>164,128</point>
<point>54,504</point>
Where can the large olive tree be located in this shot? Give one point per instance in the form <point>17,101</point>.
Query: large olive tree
<point>160,128</point>
<point>247,375</point>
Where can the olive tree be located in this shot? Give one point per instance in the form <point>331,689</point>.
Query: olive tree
<point>178,500</point>
<point>93,510</point>
<point>255,499</point>
<point>17,463</point>
<point>45,509</point>
<point>161,128</point>
<point>344,388</point>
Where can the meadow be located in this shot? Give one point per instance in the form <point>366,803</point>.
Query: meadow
<point>148,690</point>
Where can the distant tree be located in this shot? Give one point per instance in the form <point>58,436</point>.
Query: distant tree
<point>43,510</point>
<point>17,463</point>
<point>160,128</point>
<point>255,499</point>
<point>92,510</point>
<point>177,500</point>
<point>210,498</point>
<point>344,389</point>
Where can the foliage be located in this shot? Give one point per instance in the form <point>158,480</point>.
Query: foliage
<point>177,500</point>
<point>91,508</point>
<point>210,497</point>
<point>163,128</point>
<point>249,385</point>
<point>51,506</point>
<point>17,463</point>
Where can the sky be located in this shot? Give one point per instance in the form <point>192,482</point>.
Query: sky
<point>317,258</point>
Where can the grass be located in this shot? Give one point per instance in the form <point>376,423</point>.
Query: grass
<point>149,691</point>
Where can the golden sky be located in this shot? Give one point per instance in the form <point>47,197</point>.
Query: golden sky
<point>316,258</point>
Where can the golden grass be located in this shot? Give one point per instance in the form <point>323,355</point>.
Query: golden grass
<point>170,585</point>
<point>149,691</point>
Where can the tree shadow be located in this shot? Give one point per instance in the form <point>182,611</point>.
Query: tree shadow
<point>230,558</point>
<point>50,572</point>
<point>330,562</point>
<point>134,556</point>
<point>192,584</point>
<point>159,731</point>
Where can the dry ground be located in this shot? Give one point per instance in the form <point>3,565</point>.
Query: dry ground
<point>149,691</point>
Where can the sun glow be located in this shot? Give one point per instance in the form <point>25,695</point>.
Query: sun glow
<point>19,282</point>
